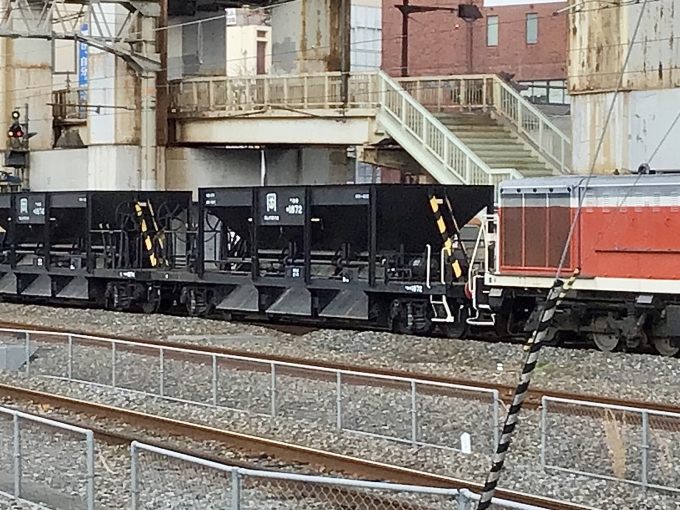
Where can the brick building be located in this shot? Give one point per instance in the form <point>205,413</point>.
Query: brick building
<point>528,40</point>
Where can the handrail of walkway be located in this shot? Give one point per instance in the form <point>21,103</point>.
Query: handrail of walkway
<point>442,93</point>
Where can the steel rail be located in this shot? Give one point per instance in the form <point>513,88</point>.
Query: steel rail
<point>533,400</point>
<point>287,452</point>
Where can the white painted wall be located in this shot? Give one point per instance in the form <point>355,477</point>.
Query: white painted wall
<point>242,49</point>
<point>98,167</point>
<point>59,170</point>
<point>638,125</point>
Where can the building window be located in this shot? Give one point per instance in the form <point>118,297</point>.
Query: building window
<point>532,28</point>
<point>545,91</point>
<point>492,31</point>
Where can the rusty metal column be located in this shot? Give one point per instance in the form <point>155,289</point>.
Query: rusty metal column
<point>148,124</point>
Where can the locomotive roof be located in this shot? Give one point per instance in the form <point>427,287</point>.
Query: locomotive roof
<point>567,183</point>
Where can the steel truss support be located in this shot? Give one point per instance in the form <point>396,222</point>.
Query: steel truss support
<point>56,19</point>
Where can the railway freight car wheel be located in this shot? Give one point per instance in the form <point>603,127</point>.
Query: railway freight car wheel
<point>665,346</point>
<point>606,342</point>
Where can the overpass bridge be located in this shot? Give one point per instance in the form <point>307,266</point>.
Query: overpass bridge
<point>473,129</point>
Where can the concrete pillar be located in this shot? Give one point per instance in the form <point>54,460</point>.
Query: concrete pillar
<point>311,36</point>
<point>113,123</point>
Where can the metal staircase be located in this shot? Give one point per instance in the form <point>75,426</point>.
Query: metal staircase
<point>440,152</point>
<point>498,145</point>
<point>494,122</point>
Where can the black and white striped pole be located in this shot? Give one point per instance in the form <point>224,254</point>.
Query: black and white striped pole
<point>556,294</point>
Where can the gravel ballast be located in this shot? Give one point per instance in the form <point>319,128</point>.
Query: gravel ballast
<point>523,468</point>
<point>634,376</point>
<point>622,375</point>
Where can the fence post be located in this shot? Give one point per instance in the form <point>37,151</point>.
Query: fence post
<point>214,379</point>
<point>544,432</point>
<point>645,447</point>
<point>17,457</point>
<point>414,416</point>
<point>338,400</point>
<point>113,364</point>
<point>464,502</point>
<point>70,357</point>
<point>235,490</point>
<point>161,372</point>
<point>89,441</point>
<point>273,389</point>
<point>28,352</point>
<point>134,475</point>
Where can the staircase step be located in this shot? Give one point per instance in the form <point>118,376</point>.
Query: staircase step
<point>472,120</point>
<point>475,128</point>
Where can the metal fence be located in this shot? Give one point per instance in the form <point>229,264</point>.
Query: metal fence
<point>632,445</point>
<point>165,479</point>
<point>45,461</point>
<point>414,412</point>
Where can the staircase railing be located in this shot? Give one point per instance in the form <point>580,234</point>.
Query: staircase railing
<point>429,142</point>
<point>550,141</point>
<point>442,93</point>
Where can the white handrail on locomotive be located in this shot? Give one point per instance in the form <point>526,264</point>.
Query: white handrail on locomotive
<point>428,250</point>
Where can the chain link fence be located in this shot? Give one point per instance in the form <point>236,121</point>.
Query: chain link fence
<point>44,461</point>
<point>163,479</point>
<point>413,412</point>
<point>632,445</point>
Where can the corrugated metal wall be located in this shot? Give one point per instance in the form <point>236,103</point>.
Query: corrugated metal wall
<point>365,55</point>
<point>366,38</point>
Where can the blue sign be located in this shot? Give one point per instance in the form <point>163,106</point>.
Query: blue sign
<point>83,57</point>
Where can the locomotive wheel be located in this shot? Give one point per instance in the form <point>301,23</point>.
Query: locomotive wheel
<point>664,346</point>
<point>459,328</point>
<point>606,342</point>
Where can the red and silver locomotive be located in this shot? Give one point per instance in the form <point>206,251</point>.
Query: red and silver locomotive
<point>625,248</point>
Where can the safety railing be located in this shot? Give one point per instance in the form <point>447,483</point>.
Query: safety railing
<point>529,121</point>
<point>431,143</point>
<point>453,93</point>
<point>244,94</point>
<point>409,411</point>
<point>194,480</point>
<point>69,104</point>
<point>627,444</point>
<point>45,461</point>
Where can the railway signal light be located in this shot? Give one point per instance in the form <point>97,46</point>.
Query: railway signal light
<point>16,130</point>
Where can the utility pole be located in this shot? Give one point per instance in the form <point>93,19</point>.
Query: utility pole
<point>345,27</point>
<point>467,12</point>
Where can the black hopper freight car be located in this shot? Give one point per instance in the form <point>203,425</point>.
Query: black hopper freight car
<point>383,256</point>
<point>379,255</point>
<point>94,247</point>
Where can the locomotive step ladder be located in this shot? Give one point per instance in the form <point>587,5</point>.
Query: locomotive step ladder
<point>152,236</point>
<point>442,310</point>
<point>480,303</point>
<point>454,250</point>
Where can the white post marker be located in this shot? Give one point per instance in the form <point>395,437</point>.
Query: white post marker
<point>465,443</point>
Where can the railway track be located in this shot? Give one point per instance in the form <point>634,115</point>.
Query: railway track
<point>506,392</point>
<point>282,451</point>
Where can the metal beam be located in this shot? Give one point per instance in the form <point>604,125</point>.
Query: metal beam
<point>55,19</point>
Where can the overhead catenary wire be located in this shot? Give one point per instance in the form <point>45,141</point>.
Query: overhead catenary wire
<point>548,308</point>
